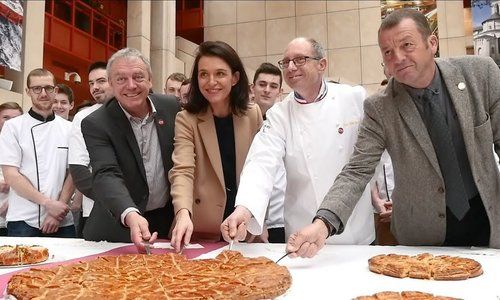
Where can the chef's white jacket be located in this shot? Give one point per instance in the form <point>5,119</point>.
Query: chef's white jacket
<point>78,154</point>
<point>40,151</point>
<point>313,142</point>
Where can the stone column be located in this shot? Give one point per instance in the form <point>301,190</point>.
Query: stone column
<point>139,26</point>
<point>163,60</point>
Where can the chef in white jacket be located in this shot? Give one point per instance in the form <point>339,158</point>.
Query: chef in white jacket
<point>312,133</point>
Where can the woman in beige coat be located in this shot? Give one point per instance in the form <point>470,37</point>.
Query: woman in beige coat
<point>212,138</point>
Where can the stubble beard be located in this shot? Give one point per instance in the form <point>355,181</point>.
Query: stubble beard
<point>44,106</point>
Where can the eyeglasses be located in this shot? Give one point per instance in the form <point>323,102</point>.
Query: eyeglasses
<point>38,89</point>
<point>297,61</point>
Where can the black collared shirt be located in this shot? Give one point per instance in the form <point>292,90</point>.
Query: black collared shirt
<point>227,148</point>
<point>439,92</point>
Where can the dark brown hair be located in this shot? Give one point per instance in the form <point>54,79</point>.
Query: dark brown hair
<point>268,68</point>
<point>66,90</point>
<point>238,97</point>
<point>397,16</point>
<point>98,65</point>
<point>176,77</point>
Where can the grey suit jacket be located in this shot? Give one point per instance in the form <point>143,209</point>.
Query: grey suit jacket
<point>393,122</point>
<point>119,177</point>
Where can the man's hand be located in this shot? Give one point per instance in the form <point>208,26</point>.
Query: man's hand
<point>76,204</point>
<point>4,187</point>
<point>386,212</point>
<point>139,231</point>
<point>50,225</point>
<point>181,235</point>
<point>234,227</point>
<point>3,208</point>
<point>382,206</point>
<point>57,209</point>
<point>308,241</point>
<point>263,238</point>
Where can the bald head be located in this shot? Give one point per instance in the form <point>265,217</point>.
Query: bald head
<point>303,65</point>
<point>316,47</point>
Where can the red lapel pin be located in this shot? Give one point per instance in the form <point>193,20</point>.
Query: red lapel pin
<point>161,122</point>
<point>341,130</point>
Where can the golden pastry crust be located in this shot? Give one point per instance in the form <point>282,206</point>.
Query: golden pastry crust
<point>425,266</point>
<point>168,276</point>
<point>22,255</point>
<point>406,295</point>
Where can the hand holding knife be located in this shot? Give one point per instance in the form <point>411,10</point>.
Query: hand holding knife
<point>147,247</point>
<point>148,243</point>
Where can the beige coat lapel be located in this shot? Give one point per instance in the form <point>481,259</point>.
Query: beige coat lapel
<point>209,137</point>
<point>411,116</point>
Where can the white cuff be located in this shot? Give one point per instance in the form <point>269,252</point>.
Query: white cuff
<point>254,227</point>
<point>125,213</point>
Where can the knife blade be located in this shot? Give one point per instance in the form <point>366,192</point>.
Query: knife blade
<point>147,247</point>
<point>286,254</point>
<point>231,243</point>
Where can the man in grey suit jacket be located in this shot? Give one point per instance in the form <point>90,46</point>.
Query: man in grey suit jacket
<point>130,144</point>
<point>438,119</point>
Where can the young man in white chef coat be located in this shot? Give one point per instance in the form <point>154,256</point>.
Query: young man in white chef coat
<point>311,133</point>
<point>266,88</point>
<point>34,159</point>
<point>78,159</point>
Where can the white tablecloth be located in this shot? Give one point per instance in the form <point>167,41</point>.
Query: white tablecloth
<point>60,249</point>
<point>341,272</point>
<point>337,272</point>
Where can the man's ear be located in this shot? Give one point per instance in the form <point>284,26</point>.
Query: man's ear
<point>433,43</point>
<point>323,63</point>
<point>252,86</point>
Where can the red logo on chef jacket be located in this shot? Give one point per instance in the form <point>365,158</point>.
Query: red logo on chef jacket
<point>161,122</point>
<point>341,130</point>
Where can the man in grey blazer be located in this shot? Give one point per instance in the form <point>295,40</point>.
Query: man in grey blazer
<point>130,144</point>
<point>438,119</point>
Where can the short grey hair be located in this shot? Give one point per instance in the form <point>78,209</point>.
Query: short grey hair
<point>318,50</point>
<point>128,53</point>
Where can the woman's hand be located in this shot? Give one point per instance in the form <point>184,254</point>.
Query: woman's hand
<point>181,235</point>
